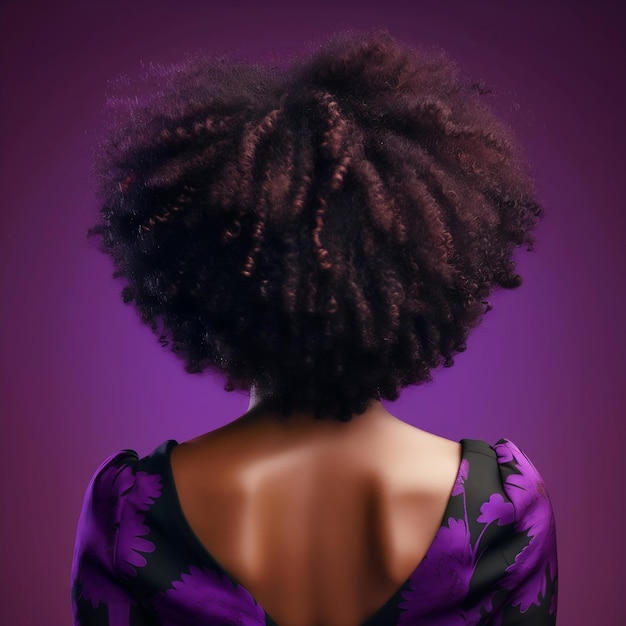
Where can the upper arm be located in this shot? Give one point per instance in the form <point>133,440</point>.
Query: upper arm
<point>98,591</point>
<point>531,577</point>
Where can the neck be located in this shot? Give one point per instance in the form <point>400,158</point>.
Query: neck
<point>265,404</point>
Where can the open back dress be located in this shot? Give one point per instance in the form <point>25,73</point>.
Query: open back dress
<point>493,561</point>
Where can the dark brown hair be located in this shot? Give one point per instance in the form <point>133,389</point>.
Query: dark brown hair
<point>331,227</point>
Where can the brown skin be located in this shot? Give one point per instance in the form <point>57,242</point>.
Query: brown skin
<point>320,520</point>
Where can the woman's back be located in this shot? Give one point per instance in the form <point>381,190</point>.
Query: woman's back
<point>234,528</point>
<point>321,522</point>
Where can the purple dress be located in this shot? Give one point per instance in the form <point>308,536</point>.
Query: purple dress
<point>493,561</point>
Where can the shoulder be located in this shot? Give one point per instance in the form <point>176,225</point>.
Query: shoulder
<point>505,464</point>
<point>118,489</point>
<point>123,478</point>
<point>114,476</point>
<point>517,492</point>
<point>529,549</point>
<point>98,523</point>
<point>525,488</point>
<point>108,474</point>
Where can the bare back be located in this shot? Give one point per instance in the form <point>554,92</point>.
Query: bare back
<point>323,526</point>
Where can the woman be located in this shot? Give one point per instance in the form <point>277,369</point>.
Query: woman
<point>322,235</point>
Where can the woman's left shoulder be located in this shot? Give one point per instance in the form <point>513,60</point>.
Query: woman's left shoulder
<point>531,511</point>
<point>521,478</point>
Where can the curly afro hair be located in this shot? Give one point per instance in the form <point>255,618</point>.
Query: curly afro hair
<point>331,227</point>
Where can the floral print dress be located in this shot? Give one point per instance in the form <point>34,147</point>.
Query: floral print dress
<point>493,561</point>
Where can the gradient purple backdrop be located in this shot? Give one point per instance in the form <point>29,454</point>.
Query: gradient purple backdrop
<point>80,377</point>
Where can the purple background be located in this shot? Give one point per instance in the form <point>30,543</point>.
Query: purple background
<point>80,377</point>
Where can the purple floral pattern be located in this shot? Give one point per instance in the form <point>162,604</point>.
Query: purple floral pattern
<point>203,592</point>
<point>442,580</point>
<point>528,575</point>
<point>110,535</point>
<point>131,544</point>
<point>136,560</point>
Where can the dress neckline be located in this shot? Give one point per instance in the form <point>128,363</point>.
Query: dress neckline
<point>194,541</point>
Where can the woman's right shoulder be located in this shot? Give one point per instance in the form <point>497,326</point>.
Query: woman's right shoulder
<point>120,478</point>
<point>112,475</point>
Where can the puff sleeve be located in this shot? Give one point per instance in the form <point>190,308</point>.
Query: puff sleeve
<point>109,545</point>
<point>530,580</point>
